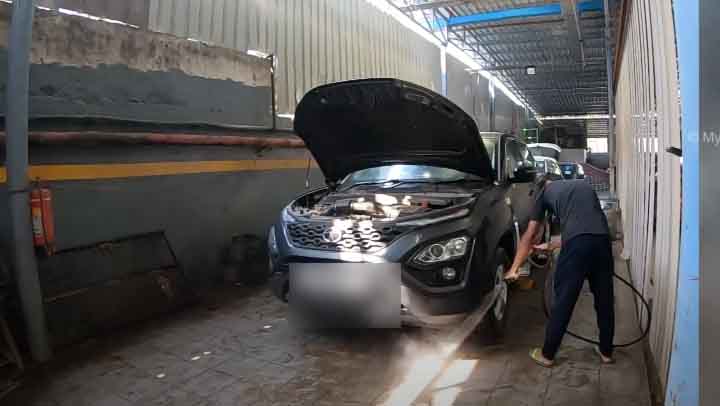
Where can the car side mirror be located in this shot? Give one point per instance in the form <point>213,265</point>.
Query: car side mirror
<point>525,174</point>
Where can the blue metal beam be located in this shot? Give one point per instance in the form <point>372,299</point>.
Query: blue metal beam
<point>500,15</point>
<point>590,5</point>
<point>523,12</point>
<point>683,387</point>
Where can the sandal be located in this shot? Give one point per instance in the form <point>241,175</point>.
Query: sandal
<point>536,355</point>
<point>604,359</point>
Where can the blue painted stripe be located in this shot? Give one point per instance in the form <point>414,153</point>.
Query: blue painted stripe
<point>683,386</point>
<point>590,5</point>
<point>500,15</point>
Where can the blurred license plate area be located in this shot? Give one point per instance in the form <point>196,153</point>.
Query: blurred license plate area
<point>345,295</point>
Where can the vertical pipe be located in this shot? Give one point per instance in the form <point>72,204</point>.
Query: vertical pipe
<point>491,88</point>
<point>443,70</point>
<point>611,97</point>
<point>16,149</point>
<point>273,105</point>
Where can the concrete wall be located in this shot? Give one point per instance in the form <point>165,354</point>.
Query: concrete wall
<point>92,69</point>
<point>83,68</point>
<point>199,212</point>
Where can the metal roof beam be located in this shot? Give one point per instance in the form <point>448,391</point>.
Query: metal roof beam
<point>510,23</point>
<point>590,6</point>
<point>508,14</point>
<point>431,5</point>
<point>577,89</point>
<point>572,25</point>
<point>553,66</point>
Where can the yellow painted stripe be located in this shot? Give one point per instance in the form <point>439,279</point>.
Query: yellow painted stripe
<point>112,171</point>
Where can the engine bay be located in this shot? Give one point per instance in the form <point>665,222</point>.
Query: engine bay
<point>373,206</point>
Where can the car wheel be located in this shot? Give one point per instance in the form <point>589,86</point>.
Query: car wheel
<point>498,314</point>
<point>540,259</point>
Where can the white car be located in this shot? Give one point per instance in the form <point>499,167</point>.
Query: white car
<point>546,150</point>
<point>549,167</point>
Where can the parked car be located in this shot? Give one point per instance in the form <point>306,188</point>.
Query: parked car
<point>410,180</point>
<point>549,167</point>
<point>572,170</point>
<point>545,149</point>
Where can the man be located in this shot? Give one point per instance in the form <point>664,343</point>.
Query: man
<point>586,253</point>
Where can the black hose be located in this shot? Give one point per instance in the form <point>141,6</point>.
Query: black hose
<point>547,299</point>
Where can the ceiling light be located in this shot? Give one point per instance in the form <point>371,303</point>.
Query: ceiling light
<point>530,70</point>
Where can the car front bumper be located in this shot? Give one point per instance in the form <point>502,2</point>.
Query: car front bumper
<point>421,304</point>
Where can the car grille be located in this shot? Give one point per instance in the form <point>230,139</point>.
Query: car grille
<point>356,237</point>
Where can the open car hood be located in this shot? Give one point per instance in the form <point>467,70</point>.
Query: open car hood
<point>349,126</point>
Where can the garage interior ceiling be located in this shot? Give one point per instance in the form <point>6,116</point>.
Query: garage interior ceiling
<point>564,40</point>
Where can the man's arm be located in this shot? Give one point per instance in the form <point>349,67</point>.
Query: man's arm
<point>524,248</point>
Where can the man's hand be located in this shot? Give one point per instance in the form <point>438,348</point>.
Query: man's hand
<point>524,249</point>
<point>547,246</point>
<point>512,275</point>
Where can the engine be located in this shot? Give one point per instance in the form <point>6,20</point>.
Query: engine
<point>373,206</point>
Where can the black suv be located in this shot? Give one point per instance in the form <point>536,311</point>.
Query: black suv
<point>411,181</point>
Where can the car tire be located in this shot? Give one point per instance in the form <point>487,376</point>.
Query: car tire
<point>496,319</point>
<point>539,259</point>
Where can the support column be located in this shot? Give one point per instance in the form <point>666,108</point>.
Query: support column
<point>611,97</point>
<point>443,70</point>
<point>16,150</point>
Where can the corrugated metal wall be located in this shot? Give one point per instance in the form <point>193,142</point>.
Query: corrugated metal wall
<point>648,178</point>
<point>470,91</point>
<point>505,113</point>
<point>315,41</point>
<point>133,12</point>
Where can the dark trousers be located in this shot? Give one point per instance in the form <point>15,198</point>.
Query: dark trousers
<point>585,256</point>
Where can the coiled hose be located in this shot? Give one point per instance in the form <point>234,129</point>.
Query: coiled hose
<point>549,265</point>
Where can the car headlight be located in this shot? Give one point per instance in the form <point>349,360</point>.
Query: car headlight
<point>442,251</point>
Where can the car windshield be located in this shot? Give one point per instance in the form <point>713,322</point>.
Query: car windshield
<point>404,173</point>
<point>567,168</point>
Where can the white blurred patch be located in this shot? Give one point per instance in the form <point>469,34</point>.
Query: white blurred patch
<point>345,295</point>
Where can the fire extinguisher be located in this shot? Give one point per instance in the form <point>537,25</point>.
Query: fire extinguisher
<point>43,221</point>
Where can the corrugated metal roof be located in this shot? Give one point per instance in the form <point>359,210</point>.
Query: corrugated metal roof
<point>562,39</point>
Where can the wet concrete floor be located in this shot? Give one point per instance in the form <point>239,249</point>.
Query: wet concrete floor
<point>242,351</point>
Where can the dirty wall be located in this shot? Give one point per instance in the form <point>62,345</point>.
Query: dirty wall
<point>83,68</point>
<point>86,70</point>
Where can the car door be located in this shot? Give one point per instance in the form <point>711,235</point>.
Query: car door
<point>521,194</point>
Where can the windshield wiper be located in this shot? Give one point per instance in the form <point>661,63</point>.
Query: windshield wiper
<point>430,181</point>
<point>397,182</point>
